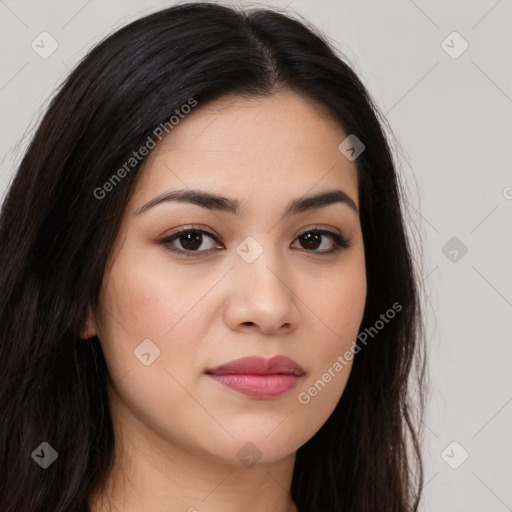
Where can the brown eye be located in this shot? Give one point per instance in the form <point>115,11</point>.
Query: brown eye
<point>189,242</point>
<point>313,239</point>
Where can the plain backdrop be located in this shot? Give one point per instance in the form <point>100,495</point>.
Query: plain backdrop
<point>441,73</point>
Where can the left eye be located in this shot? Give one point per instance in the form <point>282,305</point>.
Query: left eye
<point>313,240</point>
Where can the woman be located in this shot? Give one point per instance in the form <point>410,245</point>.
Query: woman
<point>207,293</point>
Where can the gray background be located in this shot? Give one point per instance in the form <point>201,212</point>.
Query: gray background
<point>451,117</point>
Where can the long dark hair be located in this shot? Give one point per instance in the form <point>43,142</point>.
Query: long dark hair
<point>56,236</point>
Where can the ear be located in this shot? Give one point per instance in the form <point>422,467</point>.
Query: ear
<point>90,329</point>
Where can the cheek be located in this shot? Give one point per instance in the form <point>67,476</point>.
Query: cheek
<point>147,296</point>
<point>339,303</point>
<point>146,299</point>
<point>149,310</point>
<point>340,306</point>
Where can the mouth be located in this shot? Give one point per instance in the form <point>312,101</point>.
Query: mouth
<point>258,377</point>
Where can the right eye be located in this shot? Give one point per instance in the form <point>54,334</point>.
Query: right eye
<point>190,240</point>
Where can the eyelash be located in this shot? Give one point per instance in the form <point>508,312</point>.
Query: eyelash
<point>340,242</point>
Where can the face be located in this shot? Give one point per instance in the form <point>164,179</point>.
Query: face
<point>195,284</point>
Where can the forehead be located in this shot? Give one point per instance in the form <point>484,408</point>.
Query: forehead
<point>255,149</point>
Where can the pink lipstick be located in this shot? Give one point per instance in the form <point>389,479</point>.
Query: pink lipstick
<point>259,377</point>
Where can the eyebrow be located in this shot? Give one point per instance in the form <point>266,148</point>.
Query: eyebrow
<point>233,206</point>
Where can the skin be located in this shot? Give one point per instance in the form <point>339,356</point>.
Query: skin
<point>177,430</point>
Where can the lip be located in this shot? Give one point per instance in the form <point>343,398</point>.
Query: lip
<point>258,377</point>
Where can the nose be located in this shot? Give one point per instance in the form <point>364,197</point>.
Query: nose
<point>261,296</point>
